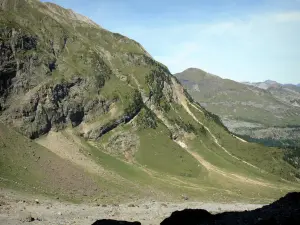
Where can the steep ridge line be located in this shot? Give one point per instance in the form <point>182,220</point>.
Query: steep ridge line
<point>195,107</point>
<point>215,139</point>
<point>203,162</point>
<point>183,101</point>
<point>156,111</point>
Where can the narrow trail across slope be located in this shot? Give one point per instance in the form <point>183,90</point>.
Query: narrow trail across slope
<point>171,180</point>
<point>242,140</point>
<point>217,170</point>
<point>215,139</point>
<point>195,107</point>
<point>182,99</point>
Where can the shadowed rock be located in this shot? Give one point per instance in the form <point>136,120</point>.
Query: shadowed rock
<point>285,211</point>
<point>187,216</point>
<point>115,222</point>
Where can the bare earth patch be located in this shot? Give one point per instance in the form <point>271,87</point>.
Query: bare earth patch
<point>70,150</point>
<point>50,212</point>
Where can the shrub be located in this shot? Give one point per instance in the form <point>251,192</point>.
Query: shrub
<point>146,119</point>
<point>133,103</point>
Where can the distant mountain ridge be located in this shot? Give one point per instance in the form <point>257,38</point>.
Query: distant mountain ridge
<point>269,84</point>
<point>261,110</point>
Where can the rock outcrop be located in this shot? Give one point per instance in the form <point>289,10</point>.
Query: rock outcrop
<point>51,77</point>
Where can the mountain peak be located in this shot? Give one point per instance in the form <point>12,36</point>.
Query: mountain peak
<point>194,69</point>
<point>195,73</point>
<point>56,10</point>
<point>271,82</point>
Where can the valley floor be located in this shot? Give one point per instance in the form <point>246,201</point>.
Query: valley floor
<point>15,210</point>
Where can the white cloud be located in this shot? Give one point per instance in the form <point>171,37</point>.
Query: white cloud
<point>288,17</point>
<point>258,47</point>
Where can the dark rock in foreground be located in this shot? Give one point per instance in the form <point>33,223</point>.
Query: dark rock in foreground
<point>115,222</point>
<point>285,211</point>
<point>188,216</point>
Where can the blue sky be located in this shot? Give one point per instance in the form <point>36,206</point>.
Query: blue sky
<point>243,40</point>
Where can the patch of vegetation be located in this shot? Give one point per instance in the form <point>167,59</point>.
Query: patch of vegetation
<point>133,103</point>
<point>102,71</point>
<point>178,115</point>
<point>164,105</point>
<point>188,126</point>
<point>290,147</point>
<point>155,80</point>
<point>215,118</point>
<point>146,119</point>
<point>292,156</point>
<point>270,142</point>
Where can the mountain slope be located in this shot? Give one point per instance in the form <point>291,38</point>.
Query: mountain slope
<point>100,102</point>
<point>287,93</point>
<point>262,110</point>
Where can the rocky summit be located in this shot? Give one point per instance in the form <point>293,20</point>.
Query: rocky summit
<point>88,115</point>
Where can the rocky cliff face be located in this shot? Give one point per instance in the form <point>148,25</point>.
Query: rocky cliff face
<point>53,72</point>
<point>31,99</point>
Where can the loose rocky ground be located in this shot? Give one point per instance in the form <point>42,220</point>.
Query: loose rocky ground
<point>19,210</point>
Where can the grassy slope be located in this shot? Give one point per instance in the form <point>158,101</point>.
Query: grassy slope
<point>159,152</point>
<point>268,159</point>
<point>159,165</point>
<point>197,181</point>
<point>163,182</point>
<point>28,166</point>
